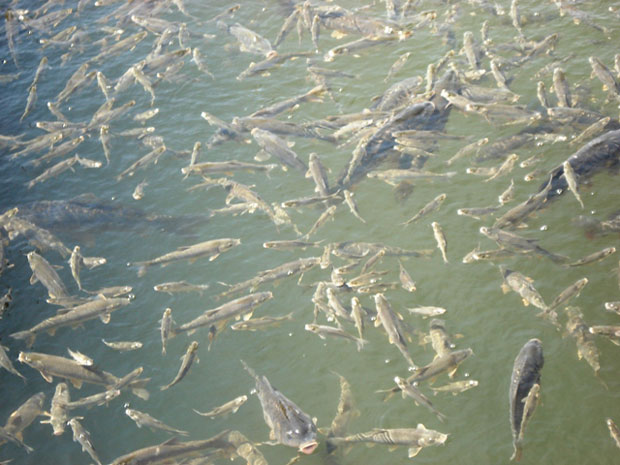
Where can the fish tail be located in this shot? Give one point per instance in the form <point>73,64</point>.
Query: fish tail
<point>27,336</point>
<point>518,451</point>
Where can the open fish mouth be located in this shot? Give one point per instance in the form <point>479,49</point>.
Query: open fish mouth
<point>308,447</point>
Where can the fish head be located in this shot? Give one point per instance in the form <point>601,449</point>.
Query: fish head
<point>309,447</point>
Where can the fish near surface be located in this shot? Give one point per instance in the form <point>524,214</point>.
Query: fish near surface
<point>288,423</point>
<point>598,154</point>
<point>525,374</point>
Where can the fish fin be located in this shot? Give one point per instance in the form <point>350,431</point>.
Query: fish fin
<point>105,318</point>
<point>272,435</point>
<point>421,426</point>
<point>213,257</point>
<point>413,451</point>
<point>46,377</point>
<point>392,448</point>
<point>505,288</point>
<point>33,279</point>
<point>525,302</point>
<point>76,382</point>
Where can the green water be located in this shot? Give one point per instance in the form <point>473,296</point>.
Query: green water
<point>569,424</point>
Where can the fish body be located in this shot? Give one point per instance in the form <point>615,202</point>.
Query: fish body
<point>5,362</point>
<point>172,449</point>
<point>180,286</point>
<point>439,365</point>
<point>241,306</point>
<point>186,363</point>
<point>81,436</point>
<point>525,374</point>
<point>144,419</point>
<point>571,291</point>
<point>323,330</point>
<point>613,429</point>
<point>254,324</point>
<point>430,207</point>
<point>98,308</point>
<point>409,390</point>
<point>289,425</point>
<point>229,407</point>
<point>414,438</point>
<point>456,387</point>
<point>52,365</point>
<point>440,238</point>
<point>391,324</point>
<point>211,249</point>
<point>59,413</point>
<point>42,271</point>
<point>123,345</point>
<point>578,329</point>
<point>594,257</point>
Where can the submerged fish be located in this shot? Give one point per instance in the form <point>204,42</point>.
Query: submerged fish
<point>525,375</point>
<point>289,425</point>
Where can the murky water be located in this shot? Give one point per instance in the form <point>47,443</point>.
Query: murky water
<point>569,424</point>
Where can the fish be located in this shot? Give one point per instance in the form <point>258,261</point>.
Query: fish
<point>561,89</point>
<point>430,207</point>
<point>586,348</point>
<point>409,390</point>
<point>323,330</point>
<point>212,249</point>
<point>405,279</point>
<point>53,365</point>
<point>224,409</point>
<point>357,315</point>
<point>508,194</point>
<point>456,387</point>
<point>593,257</point>
<point>5,362</point>
<point>165,328</point>
<point>571,181</point>
<point>245,448</point>
<point>598,154</point>
<point>440,237</point>
<point>226,167</point>
<point>186,364</point>
<point>505,167</point>
<point>390,321</point>
<point>250,41</point>
<point>613,431</point>
<point>288,424</point>
<point>525,374</point>
<point>234,308</point>
<point>30,101</point>
<point>59,413</point>
<point>144,419</point>
<point>440,339</point>
<point>327,215</point>
<point>427,311</point>
<point>80,358</point>
<point>290,244</point>
<point>123,345</point>
<point>180,286</point>
<point>75,263</point>
<point>605,76</point>
<point>42,271</point>
<point>254,324</point>
<point>523,286</point>
<point>171,449</point>
<point>345,412</point>
<point>397,66</point>
<point>414,438</point>
<point>447,362</point>
<point>98,308</point>
<point>477,212</point>
<point>100,398</point>
<point>571,291</point>
<point>276,146</point>
<point>81,436</point>
<point>519,244</point>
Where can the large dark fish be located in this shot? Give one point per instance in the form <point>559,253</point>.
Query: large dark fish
<point>88,213</point>
<point>289,425</point>
<point>598,154</point>
<point>525,374</point>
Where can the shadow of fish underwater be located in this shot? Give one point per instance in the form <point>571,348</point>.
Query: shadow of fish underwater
<point>86,215</point>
